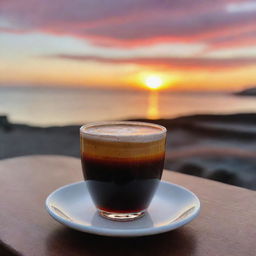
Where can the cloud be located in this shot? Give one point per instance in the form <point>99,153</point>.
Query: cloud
<point>169,62</point>
<point>132,23</point>
<point>240,37</point>
<point>245,6</point>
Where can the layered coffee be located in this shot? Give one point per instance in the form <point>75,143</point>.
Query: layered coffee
<point>122,164</point>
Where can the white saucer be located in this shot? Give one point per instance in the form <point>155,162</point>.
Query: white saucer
<point>172,207</point>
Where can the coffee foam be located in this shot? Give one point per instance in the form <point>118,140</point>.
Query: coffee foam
<point>123,131</point>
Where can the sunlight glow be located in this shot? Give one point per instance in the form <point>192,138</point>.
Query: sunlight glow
<point>153,82</point>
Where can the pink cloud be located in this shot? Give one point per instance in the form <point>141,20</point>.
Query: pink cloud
<point>174,63</point>
<point>131,23</point>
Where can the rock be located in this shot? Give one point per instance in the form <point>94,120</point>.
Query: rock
<point>192,169</point>
<point>225,176</point>
<point>247,92</point>
<point>4,123</point>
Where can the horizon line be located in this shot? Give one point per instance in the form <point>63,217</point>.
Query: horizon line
<point>124,88</point>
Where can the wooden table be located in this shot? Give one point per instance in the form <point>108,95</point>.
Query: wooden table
<point>226,225</point>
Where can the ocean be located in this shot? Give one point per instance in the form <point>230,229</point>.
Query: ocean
<point>63,106</point>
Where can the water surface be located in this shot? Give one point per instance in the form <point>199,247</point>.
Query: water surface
<point>58,106</point>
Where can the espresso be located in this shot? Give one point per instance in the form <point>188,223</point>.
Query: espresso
<point>122,165</point>
<point>122,185</point>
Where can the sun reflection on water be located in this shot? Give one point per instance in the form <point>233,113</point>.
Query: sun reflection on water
<point>153,108</point>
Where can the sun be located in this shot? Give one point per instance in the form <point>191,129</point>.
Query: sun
<point>153,82</point>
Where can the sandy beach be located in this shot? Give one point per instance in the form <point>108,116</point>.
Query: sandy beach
<point>219,147</point>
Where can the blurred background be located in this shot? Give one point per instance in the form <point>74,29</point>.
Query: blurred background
<point>189,65</point>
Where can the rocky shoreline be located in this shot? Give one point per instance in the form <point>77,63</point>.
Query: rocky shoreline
<point>219,147</point>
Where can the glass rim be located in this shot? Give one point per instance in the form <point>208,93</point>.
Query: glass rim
<point>160,131</point>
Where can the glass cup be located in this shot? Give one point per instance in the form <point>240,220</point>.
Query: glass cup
<point>122,164</point>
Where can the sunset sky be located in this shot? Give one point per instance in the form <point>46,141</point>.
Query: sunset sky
<point>190,44</point>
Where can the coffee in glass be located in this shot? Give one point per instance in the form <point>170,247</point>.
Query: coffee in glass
<point>122,165</point>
